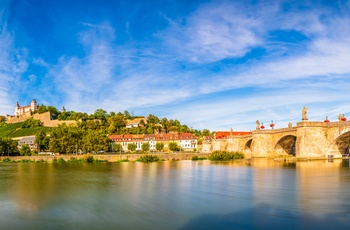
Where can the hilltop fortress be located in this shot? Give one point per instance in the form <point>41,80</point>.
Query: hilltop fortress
<point>23,113</point>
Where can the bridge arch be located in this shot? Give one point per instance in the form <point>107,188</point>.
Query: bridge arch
<point>248,144</point>
<point>341,144</point>
<point>286,145</point>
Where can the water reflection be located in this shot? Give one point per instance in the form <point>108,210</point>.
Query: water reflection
<point>176,195</point>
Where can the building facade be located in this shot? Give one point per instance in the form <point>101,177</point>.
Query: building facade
<point>25,110</point>
<point>187,141</point>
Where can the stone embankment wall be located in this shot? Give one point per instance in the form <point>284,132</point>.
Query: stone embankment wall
<point>115,157</point>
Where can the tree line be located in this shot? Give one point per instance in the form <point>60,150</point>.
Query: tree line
<point>90,134</point>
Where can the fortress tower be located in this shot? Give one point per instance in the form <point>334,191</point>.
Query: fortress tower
<point>26,110</point>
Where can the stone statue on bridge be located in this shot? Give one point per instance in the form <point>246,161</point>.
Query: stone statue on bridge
<point>304,114</point>
<point>290,125</point>
<point>257,125</point>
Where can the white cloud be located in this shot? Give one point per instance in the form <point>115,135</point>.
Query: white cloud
<point>12,65</point>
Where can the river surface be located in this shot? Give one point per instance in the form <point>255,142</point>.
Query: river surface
<point>259,194</point>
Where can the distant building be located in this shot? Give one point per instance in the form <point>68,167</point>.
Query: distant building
<point>27,110</point>
<point>136,122</point>
<point>187,141</point>
<point>30,141</point>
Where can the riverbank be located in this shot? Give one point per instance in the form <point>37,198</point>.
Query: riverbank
<point>112,157</point>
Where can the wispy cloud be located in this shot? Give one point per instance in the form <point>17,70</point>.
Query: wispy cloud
<point>203,68</point>
<point>12,65</point>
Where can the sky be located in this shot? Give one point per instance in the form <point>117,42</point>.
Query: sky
<point>212,65</point>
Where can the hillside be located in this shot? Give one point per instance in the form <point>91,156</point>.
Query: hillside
<point>16,130</point>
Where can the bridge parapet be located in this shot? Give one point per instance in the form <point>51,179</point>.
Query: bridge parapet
<point>273,131</point>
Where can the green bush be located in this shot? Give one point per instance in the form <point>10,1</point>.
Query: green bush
<point>197,158</point>
<point>223,155</point>
<point>148,158</point>
<point>26,161</point>
<point>7,160</point>
<point>88,158</point>
<point>125,160</point>
<point>59,160</point>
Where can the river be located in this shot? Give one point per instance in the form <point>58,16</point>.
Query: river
<point>256,194</point>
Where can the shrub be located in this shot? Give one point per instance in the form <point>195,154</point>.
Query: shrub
<point>59,160</point>
<point>197,158</point>
<point>148,158</point>
<point>125,160</point>
<point>223,155</point>
<point>88,158</point>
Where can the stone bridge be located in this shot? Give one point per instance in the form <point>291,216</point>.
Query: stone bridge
<point>306,139</point>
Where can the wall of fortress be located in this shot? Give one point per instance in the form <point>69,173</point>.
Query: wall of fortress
<point>45,118</point>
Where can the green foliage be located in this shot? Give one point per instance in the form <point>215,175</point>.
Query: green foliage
<point>25,150</point>
<point>26,161</point>
<point>58,161</point>
<point>6,159</point>
<point>159,146</point>
<point>88,158</point>
<point>197,158</point>
<point>145,146</point>
<point>223,155</point>
<point>117,147</point>
<point>42,140</point>
<point>8,146</point>
<point>7,129</point>
<point>205,132</point>
<point>148,158</point>
<point>173,146</point>
<point>31,123</point>
<point>124,160</point>
<point>132,147</point>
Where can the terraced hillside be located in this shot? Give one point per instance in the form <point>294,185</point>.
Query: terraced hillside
<point>16,130</point>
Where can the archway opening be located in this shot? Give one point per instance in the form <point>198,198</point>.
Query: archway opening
<point>342,144</point>
<point>248,145</point>
<point>286,145</point>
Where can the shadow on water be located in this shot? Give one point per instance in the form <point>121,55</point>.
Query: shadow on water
<point>265,216</point>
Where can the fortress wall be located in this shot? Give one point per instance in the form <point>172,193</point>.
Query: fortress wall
<point>45,118</point>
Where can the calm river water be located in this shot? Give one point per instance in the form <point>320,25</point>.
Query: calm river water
<point>257,194</point>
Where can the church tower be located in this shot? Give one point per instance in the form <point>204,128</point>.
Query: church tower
<point>33,105</point>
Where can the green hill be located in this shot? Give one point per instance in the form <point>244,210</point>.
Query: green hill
<point>16,130</point>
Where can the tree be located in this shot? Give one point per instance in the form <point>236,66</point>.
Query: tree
<point>145,146</point>
<point>54,112</point>
<point>2,118</point>
<point>42,109</point>
<point>173,146</point>
<point>127,115</point>
<point>100,114</point>
<point>159,146</point>
<point>8,146</point>
<point>206,132</point>
<point>117,147</point>
<point>25,150</point>
<point>42,140</point>
<point>132,147</point>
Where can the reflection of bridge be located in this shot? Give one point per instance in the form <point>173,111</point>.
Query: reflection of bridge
<point>307,139</point>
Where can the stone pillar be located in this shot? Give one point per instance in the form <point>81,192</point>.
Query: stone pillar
<point>311,139</point>
<point>262,145</point>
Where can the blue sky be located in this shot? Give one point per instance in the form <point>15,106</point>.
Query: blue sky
<point>209,64</point>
